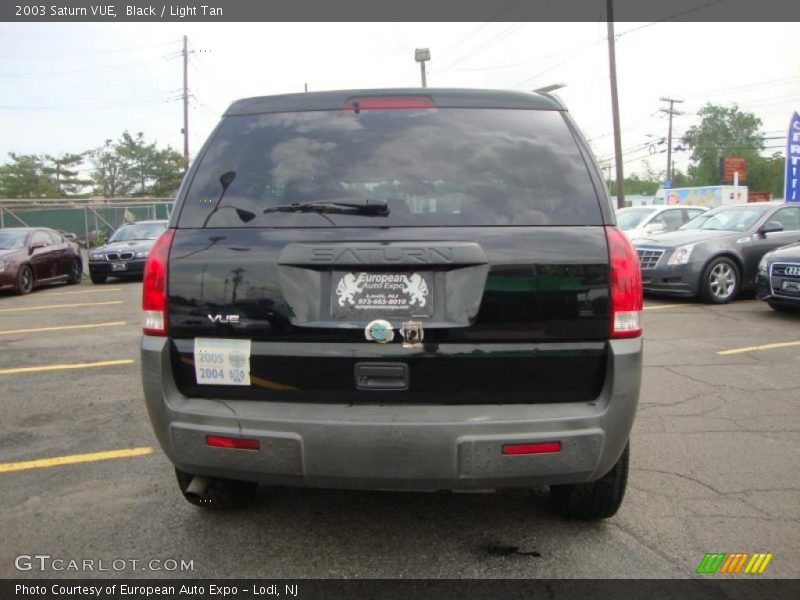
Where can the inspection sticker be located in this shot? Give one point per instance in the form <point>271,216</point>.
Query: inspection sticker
<point>222,361</point>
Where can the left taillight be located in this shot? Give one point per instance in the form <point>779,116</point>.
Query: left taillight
<point>154,288</point>
<point>626,286</point>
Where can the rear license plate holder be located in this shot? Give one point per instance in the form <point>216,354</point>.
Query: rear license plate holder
<point>371,294</point>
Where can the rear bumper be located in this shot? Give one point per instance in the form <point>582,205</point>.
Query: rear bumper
<point>430,447</point>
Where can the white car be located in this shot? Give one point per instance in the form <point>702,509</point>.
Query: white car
<point>643,221</point>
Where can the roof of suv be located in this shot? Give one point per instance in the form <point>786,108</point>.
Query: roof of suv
<point>442,97</point>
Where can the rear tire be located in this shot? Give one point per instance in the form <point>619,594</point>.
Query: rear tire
<point>221,494</point>
<point>599,499</point>
<point>76,272</point>
<point>24,280</point>
<point>721,281</point>
<point>97,278</point>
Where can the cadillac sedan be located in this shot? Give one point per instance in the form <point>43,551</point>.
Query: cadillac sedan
<point>125,253</point>
<point>716,255</point>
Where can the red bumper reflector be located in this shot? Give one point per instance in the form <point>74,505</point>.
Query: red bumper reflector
<point>538,448</point>
<point>228,442</point>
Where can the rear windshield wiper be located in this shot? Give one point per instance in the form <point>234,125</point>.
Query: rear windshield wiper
<point>367,207</point>
<point>225,180</point>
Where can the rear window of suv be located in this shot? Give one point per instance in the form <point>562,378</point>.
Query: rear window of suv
<point>434,167</point>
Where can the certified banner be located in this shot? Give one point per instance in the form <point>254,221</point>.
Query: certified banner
<point>791,185</point>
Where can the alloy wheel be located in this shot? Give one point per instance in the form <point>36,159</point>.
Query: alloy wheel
<point>722,280</point>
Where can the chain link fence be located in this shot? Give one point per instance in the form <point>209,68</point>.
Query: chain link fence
<point>91,222</point>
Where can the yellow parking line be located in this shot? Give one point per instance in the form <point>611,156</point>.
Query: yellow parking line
<point>761,347</point>
<point>660,306</point>
<point>72,459</point>
<point>103,363</point>
<point>61,328</point>
<point>95,291</point>
<point>44,306</point>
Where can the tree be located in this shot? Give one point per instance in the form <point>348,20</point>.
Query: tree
<point>765,174</point>
<point>63,171</point>
<point>132,167</point>
<point>722,132</point>
<point>25,177</point>
<point>106,170</point>
<point>168,173</point>
<point>635,185</point>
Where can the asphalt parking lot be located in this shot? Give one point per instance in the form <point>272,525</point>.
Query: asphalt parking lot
<point>715,465</point>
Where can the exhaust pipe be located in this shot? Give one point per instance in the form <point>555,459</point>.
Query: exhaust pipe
<point>196,491</point>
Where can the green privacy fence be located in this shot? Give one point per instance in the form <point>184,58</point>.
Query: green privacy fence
<point>87,220</point>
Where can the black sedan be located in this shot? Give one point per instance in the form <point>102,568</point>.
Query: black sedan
<point>778,278</point>
<point>716,254</point>
<point>125,253</point>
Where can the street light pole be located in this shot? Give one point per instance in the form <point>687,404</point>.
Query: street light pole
<point>421,55</point>
<point>612,65</point>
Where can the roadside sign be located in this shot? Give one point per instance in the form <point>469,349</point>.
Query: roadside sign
<point>791,184</point>
<point>667,184</point>
<point>731,165</point>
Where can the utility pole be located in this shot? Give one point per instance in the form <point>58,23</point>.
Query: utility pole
<point>612,65</point>
<point>670,111</point>
<point>185,103</point>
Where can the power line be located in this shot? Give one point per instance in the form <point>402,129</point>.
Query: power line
<point>508,7</point>
<point>511,29</point>
<point>669,18</point>
<point>56,74</point>
<point>94,53</point>
<point>110,105</point>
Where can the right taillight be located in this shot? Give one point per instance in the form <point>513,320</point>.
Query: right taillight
<point>626,286</point>
<point>154,288</point>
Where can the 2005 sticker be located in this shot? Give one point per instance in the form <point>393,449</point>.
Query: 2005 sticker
<point>222,361</point>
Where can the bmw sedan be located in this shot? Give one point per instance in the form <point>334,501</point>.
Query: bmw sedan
<point>778,278</point>
<point>125,252</point>
<point>716,255</point>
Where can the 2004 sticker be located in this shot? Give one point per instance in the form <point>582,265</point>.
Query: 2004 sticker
<point>222,361</point>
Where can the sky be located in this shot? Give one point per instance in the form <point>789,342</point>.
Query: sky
<point>67,87</point>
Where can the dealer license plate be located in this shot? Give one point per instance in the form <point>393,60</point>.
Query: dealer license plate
<point>368,294</point>
<point>222,361</point>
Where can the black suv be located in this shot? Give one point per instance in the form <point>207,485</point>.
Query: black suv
<point>395,289</point>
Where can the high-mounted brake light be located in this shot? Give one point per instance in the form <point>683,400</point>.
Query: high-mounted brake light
<point>388,103</point>
<point>626,286</point>
<point>154,288</point>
